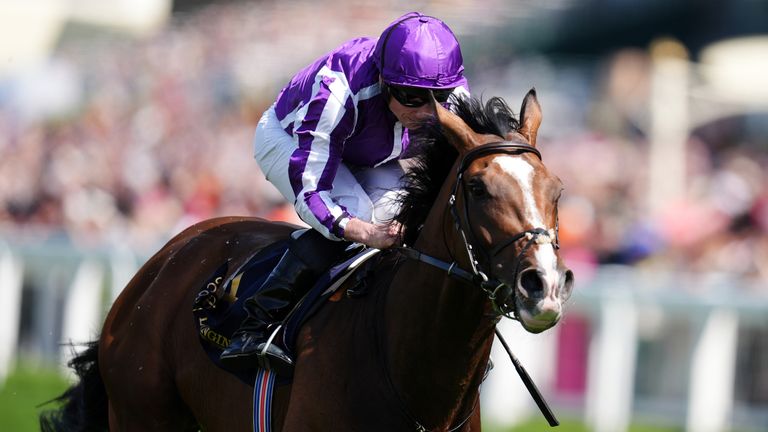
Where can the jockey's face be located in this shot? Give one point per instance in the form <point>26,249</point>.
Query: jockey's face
<point>410,117</point>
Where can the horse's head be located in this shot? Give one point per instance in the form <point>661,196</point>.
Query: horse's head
<point>505,204</point>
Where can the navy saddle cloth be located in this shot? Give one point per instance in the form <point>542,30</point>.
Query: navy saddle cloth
<point>218,308</point>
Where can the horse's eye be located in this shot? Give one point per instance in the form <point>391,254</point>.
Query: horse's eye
<point>477,189</point>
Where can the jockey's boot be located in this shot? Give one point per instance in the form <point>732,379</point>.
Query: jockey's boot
<point>308,255</point>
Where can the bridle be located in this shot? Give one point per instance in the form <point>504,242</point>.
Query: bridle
<point>477,277</point>
<point>492,285</point>
<point>485,280</point>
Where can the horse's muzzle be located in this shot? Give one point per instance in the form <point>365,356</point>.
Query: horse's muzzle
<point>539,300</point>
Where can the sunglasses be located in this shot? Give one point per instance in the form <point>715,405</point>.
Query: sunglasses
<point>413,97</point>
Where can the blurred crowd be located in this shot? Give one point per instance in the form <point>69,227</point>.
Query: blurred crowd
<point>721,226</point>
<point>718,224</point>
<point>157,134</point>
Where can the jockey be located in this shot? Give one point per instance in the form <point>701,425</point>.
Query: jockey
<point>330,144</point>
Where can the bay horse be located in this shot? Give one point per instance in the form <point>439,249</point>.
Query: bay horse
<point>479,216</point>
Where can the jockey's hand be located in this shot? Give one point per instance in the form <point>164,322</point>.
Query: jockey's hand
<point>379,236</point>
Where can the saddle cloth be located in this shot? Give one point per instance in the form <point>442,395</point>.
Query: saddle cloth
<point>218,308</point>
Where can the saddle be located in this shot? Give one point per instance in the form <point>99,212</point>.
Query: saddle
<point>218,307</point>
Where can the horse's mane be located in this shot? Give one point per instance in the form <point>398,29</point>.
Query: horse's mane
<point>434,157</point>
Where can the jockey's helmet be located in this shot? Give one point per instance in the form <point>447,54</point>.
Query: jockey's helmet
<point>417,50</point>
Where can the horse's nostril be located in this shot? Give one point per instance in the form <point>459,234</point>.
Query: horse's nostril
<point>532,283</point>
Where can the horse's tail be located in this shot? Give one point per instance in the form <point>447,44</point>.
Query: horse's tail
<point>84,405</point>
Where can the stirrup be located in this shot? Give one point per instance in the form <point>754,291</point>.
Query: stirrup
<point>271,337</point>
<point>244,357</point>
<point>274,358</point>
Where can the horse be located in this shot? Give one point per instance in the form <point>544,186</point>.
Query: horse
<point>479,229</point>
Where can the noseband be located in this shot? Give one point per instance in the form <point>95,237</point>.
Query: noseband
<point>489,284</point>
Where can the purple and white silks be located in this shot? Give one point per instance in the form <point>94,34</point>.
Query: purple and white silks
<point>335,114</point>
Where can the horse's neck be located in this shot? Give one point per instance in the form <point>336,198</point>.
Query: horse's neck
<point>439,333</point>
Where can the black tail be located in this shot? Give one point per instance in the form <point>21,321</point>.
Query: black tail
<point>84,405</point>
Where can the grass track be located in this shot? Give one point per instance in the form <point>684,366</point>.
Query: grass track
<point>22,394</point>
<point>26,389</point>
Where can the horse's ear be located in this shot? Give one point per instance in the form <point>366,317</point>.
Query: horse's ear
<point>530,117</point>
<point>461,136</point>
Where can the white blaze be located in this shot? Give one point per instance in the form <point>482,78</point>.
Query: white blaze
<point>522,172</point>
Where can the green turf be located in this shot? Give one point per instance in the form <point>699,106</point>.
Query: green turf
<point>26,388</point>
<point>22,393</point>
<point>569,425</point>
